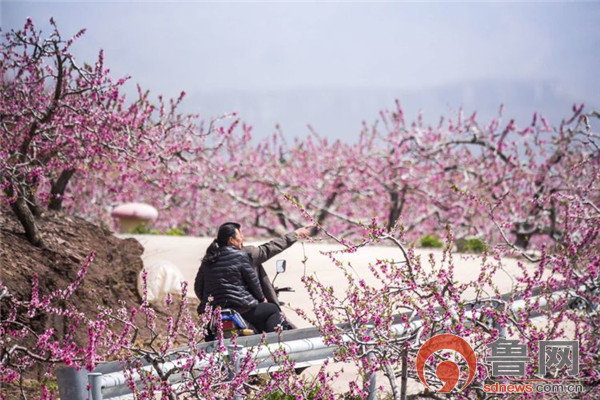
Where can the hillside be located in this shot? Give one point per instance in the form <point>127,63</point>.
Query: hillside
<point>110,280</point>
<point>69,240</point>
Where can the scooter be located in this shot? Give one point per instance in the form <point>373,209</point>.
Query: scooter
<point>232,323</point>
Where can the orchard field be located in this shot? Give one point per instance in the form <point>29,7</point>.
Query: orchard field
<point>72,143</point>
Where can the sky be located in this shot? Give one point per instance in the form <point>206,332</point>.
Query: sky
<point>336,64</point>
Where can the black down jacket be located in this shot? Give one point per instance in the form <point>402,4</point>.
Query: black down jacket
<point>230,280</point>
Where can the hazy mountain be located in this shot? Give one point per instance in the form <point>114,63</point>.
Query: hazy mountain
<point>338,113</point>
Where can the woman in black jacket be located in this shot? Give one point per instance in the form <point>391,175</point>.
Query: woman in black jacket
<point>228,277</point>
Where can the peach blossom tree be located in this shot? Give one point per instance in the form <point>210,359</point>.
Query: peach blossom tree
<point>63,121</point>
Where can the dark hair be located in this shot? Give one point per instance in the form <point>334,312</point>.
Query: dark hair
<point>226,231</point>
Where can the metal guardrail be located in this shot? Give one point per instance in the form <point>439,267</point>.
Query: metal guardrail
<point>109,381</point>
<point>305,347</point>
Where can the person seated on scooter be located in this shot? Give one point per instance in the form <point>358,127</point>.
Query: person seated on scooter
<point>226,274</point>
<point>262,253</point>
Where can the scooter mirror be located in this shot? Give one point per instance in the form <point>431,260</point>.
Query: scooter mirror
<point>280,266</point>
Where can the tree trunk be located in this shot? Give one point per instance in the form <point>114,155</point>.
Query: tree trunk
<point>58,189</point>
<point>523,232</point>
<point>397,200</point>
<point>522,241</point>
<point>32,204</point>
<point>323,213</point>
<point>27,219</point>
<point>393,214</point>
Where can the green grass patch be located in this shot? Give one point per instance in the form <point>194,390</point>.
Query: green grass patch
<point>472,245</point>
<point>144,230</point>
<point>431,241</point>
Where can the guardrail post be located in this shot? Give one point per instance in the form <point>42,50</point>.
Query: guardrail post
<point>95,382</point>
<point>404,382</point>
<point>372,377</point>
<point>235,351</point>
<point>372,381</point>
<point>72,383</point>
